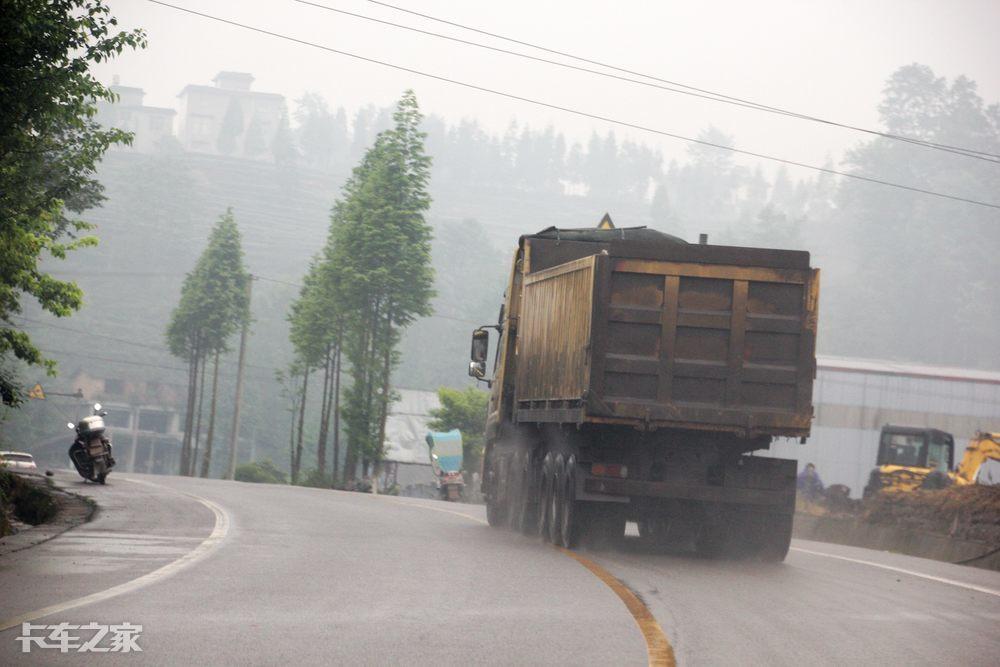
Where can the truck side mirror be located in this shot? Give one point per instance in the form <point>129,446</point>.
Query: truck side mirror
<point>480,349</point>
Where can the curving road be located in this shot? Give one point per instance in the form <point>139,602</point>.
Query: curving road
<point>229,573</point>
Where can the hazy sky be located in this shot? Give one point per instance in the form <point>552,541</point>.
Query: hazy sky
<point>826,59</point>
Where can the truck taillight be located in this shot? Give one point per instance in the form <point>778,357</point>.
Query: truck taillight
<point>609,470</point>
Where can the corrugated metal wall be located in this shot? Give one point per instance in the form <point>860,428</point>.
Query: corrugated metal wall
<point>854,400</point>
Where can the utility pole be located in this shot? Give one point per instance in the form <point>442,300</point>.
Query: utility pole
<point>235,431</point>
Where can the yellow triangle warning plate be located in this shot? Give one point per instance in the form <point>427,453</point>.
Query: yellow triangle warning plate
<point>606,223</point>
<point>36,392</point>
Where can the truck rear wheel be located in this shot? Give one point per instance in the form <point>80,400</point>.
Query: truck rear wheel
<point>556,500</point>
<point>569,508</point>
<point>774,536</point>
<point>528,499</point>
<point>746,534</point>
<point>545,494</point>
<point>494,515</point>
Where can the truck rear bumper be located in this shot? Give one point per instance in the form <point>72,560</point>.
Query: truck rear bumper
<point>617,488</point>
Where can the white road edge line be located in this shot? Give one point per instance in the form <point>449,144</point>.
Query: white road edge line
<point>930,577</point>
<point>218,533</point>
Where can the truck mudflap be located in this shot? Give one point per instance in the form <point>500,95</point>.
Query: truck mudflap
<point>759,481</point>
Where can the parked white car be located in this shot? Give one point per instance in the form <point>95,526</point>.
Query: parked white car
<point>17,461</point>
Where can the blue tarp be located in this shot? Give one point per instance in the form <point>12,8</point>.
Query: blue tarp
<point>448,448</point>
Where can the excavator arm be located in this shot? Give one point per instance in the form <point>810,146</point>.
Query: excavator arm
<point>983,447</point>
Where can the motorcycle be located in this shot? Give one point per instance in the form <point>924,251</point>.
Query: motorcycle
<point>91,450</point>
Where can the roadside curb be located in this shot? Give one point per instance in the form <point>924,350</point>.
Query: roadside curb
<point>74,510</point>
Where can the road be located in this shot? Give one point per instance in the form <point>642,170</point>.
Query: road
<point>229,573</point>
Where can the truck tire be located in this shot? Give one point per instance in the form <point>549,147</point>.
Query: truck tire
<point>601,528</point>
<point>740,534</point>
<point>775,537</point>
<point>515,484</point>
<point>528,506</point>
<point>556,500</point>
<point>569,508</point>
<point>545,494</point>
<point>654,531</point>
<point>494,506</point>
<point>725,533</point>
<point>494,515</point>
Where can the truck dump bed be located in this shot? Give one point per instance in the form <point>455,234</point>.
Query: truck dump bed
<point>636,327</point>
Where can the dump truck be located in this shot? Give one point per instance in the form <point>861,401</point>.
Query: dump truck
<point>636,377</point>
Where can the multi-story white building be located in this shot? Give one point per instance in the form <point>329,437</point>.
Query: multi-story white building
<point>150,126</point>
<point>229,106</point>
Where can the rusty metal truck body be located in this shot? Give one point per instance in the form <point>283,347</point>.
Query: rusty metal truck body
<point>635,374</point>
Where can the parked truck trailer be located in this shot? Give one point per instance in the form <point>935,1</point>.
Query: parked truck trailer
<point>635,378</point>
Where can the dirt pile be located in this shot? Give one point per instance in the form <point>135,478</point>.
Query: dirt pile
<point>962,512</point>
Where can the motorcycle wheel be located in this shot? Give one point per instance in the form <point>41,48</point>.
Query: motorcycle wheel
<point>102,477</point>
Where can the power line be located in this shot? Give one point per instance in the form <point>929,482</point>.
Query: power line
<point>91,357</point>
<point>142,274</point>
<point>280,282</point>
<point>434,316</point>
<point>585,114</point>
<point>123,341</point>
<point>691,90</point>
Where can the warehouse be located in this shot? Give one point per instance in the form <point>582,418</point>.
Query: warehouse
<point>854,398</point>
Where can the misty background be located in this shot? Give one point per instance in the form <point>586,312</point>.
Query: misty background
<point>906,277</point>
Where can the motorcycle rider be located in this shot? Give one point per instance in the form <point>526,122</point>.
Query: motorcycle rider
<point>87,430</point>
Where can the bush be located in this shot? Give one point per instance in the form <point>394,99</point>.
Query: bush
<point>260,472</point>
<point>314,479</point>
<point>27,502</point>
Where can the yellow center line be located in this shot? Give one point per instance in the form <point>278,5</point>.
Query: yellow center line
<point>658,649</point>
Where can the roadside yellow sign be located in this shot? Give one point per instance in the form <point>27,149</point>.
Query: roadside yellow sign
<point>36,392</point>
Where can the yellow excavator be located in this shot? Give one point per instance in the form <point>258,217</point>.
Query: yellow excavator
<point>981,462</point>
<point>922,458</point>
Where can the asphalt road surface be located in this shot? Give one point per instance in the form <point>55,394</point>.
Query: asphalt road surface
<point>230,573</point>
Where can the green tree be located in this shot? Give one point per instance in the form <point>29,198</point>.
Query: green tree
<point>321,134</point>
<point>316,326</point>
<point>49,149</point>
<point>380,255</point>
<point>464,409</point>
<point>922,272</point>
<point>212,307</point>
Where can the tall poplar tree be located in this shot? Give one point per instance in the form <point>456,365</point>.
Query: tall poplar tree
<point>212,307</point>
<point>380,256</point>
<point>316,325</point>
